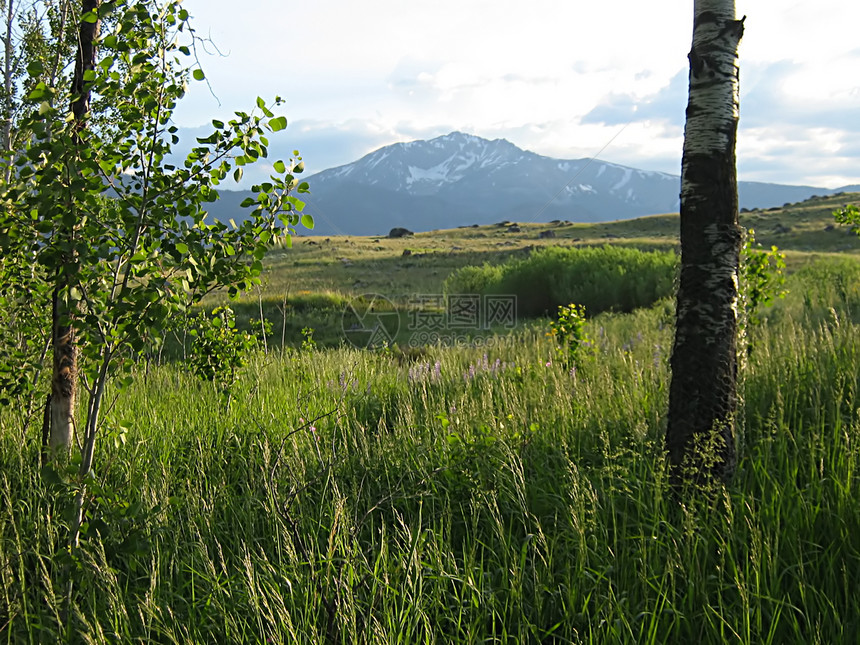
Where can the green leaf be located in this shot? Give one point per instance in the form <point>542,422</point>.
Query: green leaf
<point>198,74</point>
<point>237,174</point>
<point>212,138</point>
<point>35,68</point>
<point>37,92</point>
<point>50,475</point>
<point>280,167</point>
<point>90,17</point>
<point>295,201</point>
<point>307,221</point>
<point>278,123</point>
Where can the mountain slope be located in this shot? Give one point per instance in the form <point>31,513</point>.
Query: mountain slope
<point>463,179</point>
<point>460,179</point>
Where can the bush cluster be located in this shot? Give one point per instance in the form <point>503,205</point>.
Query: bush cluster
<point>607,278</point>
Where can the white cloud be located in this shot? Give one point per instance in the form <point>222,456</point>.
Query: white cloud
<point>557,77</point>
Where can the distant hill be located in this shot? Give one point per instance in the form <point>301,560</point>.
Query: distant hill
<point>460,179</point>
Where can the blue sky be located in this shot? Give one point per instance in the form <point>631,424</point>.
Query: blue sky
<point>564,78</point>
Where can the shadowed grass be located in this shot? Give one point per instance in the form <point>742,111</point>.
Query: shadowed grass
<point>461,495</point>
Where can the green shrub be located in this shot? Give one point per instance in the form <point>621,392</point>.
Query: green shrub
<point>568,331</point>
<point>473,279</point>
<point>762,278</point>
<point>218,349</point>
<point>600,278</point>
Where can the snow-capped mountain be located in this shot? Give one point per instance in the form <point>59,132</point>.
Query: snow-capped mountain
<point>457,160</point>
<point>460,179</point>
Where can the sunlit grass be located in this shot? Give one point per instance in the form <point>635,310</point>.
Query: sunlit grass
<point>456,495</point>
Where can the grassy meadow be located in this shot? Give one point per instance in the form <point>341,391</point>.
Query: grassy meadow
<point>310,284</point>
<point>351,265</point>
<point>491,492</point>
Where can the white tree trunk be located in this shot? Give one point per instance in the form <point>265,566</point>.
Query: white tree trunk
<point>8,70</point>
<point>702,396</point>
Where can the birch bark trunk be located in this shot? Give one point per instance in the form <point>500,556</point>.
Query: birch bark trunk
<point>700,437</point>
<point>64,383</point>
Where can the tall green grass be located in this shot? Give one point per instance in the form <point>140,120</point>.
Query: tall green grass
<point>464,495</point>
<point>600,278</point>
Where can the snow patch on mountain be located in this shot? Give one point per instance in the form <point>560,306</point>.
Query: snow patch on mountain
<point>628,173</point>
<point>448,171</point>
<point>379,159</point>
<point>438,173</point>
<point>340,171</point>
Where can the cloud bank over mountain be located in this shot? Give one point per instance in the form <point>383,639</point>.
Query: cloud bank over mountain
<point>566,80</point>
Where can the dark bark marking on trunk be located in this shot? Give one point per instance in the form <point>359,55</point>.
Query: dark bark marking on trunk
<point>46,430</point>
<point>703,392</point>
<point>84,61</point>
<point>704,18</point>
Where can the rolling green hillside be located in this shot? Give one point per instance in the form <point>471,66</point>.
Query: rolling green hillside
<point>311,284</point>
<point>352,265</point>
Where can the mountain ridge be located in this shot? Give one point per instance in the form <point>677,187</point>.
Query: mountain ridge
<point>460,179</point>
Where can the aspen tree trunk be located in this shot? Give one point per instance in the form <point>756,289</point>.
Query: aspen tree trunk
<point>8,71</point>
<point>64,383</point>
<point>700,437</point>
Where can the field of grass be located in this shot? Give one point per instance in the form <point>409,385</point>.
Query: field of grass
<point>312,283</point>
<point>356,265</point>
<point>492,494</point>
